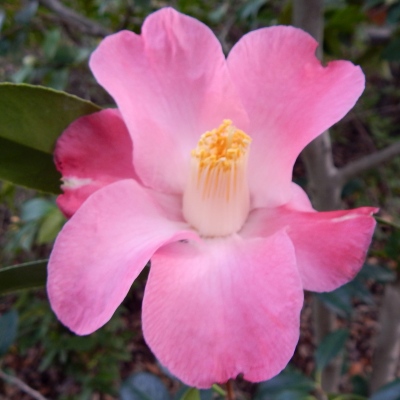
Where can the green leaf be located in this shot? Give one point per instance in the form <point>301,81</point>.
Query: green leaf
<point>392,51</point>
<point>360,385</point>
<point>330,347</point>
<point>191,394</point>
<point>8,330</point>
<point>143,386</point>
<point>51,42</point>
<point>205,394</point>
<point>377,273</point>
<point>251,8</point>
<point>394,14</point>
<point>27,167</point>
<point>31,120</point>
<point>23,276</point>
<point>338,301</point>
<point>35,209</point>
<point>388,392</point>
<point>25,15</point>
<point>51,226</point>
<point>288,383</point>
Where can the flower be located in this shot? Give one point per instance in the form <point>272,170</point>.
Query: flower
<point>193,171</point>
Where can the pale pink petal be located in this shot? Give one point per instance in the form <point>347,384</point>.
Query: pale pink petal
<point>102,249</point>
<point>330,246</point>
<point>93,151</point>
<point>290,99</point>
<point>171,85</point>
<point>299,200</point>
<point>222,307</point>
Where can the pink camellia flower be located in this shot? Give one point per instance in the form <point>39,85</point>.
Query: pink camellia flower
<point>193,171</point>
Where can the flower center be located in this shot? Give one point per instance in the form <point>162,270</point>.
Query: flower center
<point>216,201</point>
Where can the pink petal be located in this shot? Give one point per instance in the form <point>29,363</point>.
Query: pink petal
<point>93,151</point>
<point>102,249</point>
<point>290,99</point>
<point>330,246</point>
<point>171,85</point>
<point>299,200</point>
<point>218,308</point>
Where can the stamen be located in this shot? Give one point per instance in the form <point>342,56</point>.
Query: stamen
<point>216,200</point>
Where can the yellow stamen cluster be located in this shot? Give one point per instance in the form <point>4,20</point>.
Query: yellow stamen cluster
<point>216,200</point>
<point>221,147</point>
<point>219,154</point>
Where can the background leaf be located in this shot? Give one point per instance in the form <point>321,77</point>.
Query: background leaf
<point>191,394</point>
<point>205,394</point>
<point>23,276</point>
<point>391,391</point>
<point>8,330</point>
<point>287,385</point>
<point>143,386</point>
<point>31,120</point>
<point>330,347</point>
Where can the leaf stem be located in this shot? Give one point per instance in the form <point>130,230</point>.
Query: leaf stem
<point>218,389</point>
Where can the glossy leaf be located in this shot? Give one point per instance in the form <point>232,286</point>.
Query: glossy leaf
<point>28,167</point>
<point>8,330</point>
<point>330,348</point>
<point>143,386</point>
<point>23,276</point>
<point>31,120</point>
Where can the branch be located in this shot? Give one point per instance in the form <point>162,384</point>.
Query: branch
<point>71,17</point>
<point>323,183</point>
<point>385,358</point>
<point>21,385</point>
<point>357,167</point>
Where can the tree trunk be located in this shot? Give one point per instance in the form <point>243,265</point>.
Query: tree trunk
<point>324,185</point>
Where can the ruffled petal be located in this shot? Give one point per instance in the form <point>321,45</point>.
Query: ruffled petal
<point>290,99</point>
<point>222,307</point>
<point>330,246</point>
<point>93,151</point>
<point>171,84</point>
<point>102,249</point>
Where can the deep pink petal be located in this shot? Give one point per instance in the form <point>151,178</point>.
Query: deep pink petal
<point>171,85</point>
<point>330,246</point>
<point>290,99</point>
<point>102,249</point>
<point>218,308</point>
<point>93,151</point>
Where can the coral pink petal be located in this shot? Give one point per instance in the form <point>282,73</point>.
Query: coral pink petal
<point>330,246</point>
<point>290,99</point>
<point>171,85</point>
<point>102,249</point>
<point>222,307</point>
<point>93,151</point>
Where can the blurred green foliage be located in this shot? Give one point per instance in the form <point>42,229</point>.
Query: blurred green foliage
<point>40,46</point>
<point>92,361</point>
